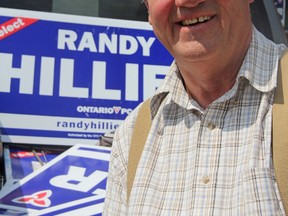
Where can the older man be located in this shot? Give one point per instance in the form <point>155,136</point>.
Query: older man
<point>209,147</point>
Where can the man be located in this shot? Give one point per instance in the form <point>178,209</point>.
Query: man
<point>209,147</point>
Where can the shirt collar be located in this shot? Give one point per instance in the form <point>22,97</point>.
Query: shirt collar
<point>171,89</point>
<point>260,65</point>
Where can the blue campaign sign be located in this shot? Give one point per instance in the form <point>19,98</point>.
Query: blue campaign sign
<point>73,183</point>
<point>68,79</point>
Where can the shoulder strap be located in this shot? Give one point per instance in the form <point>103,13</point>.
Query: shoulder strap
<point>139,136</point>
<point>280,130</point>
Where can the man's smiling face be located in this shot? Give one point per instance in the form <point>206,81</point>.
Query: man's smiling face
<point>199,29</point>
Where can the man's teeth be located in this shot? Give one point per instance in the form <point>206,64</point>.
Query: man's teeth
<point>196,20</point>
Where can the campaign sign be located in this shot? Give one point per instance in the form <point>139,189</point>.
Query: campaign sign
<point>74,183</point>
<point>68,79</point>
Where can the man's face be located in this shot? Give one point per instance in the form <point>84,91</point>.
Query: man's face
<point>199,29</point>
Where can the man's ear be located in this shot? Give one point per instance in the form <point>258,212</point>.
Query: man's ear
<point>146,3</point>
<point>147,6</point>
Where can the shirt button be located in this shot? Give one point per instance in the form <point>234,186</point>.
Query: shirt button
<point>211,126</point>
<point>205,180</point>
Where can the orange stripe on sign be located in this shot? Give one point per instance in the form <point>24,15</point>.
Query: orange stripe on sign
<point>14,25</point>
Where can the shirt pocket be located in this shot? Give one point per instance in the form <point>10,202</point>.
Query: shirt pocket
<point>260,193</point>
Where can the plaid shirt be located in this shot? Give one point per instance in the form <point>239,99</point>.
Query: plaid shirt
<point>214,161</point>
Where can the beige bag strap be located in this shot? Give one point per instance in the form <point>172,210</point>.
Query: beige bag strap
<point>139,136</point>
<point>280,131</point>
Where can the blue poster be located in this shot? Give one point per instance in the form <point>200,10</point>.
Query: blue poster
<point>68,79</point>
<point>74,183</point>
